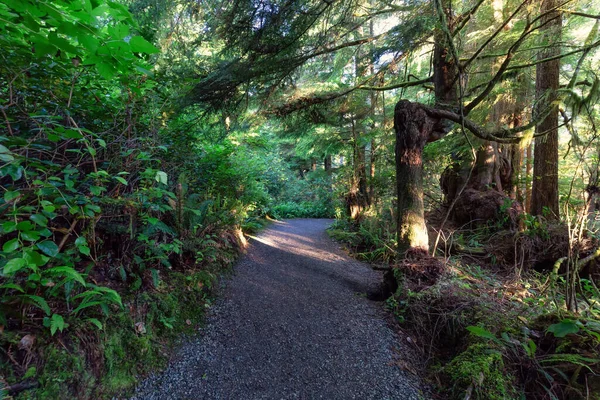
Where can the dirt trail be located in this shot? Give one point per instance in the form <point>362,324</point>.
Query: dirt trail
<point>293,323</point>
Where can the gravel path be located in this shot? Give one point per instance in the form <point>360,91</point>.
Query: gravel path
<point>293,323</point>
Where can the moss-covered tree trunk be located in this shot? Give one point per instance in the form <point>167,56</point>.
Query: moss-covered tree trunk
<point>413,130</point>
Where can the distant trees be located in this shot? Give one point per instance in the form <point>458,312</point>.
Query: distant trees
<point>325,61</point>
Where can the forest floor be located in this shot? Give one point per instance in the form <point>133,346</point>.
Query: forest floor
<point>293,322</point>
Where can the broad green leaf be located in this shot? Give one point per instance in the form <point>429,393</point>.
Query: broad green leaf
<point>72,134</point>
<point>119,31</point>
<point>34,258</point>
<point>30,236</point>
<point>39,219</point>
<point>24,226</point>
<point>563,328</point>
<point>56,323</point>
<point>9,226</point>
<point>48,247</point>
<point>11,246</point>
<point>120,180</point>
<point>14,265</point>
<point>141,45</point>
<point>106,70</point>
<point>10,195</point>
<point>161,177</point>
<point>89,42</point>
<point>96,190</point>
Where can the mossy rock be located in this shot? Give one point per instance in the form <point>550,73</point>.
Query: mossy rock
<point>480,370</point>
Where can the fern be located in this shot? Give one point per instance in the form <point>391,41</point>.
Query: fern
<point>67,272</point>
<point>37,301</point>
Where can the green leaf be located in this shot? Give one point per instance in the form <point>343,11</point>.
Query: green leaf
<point>96,190</point>
<point>39,219</point>
<point>9,195</point>
<point>72,134</point>
<point>14,265</point>
<point>56,323</point>
<point>96,322</point>
<point>481,332</point>
<point>106,70</point>
<point>68,272</point>
<point>119,31</point>
<point>11,246</point>
<point>24,226</point>
<point>34,258</point>
<point>84,250</point>
<point>120,180</point>
<point>161,177</point>
<point>89,42</point>
<point>38,302</point>
<point>30,373</point>
<point>48,247</point>
<point>9,226</point>
<point>31,236</point>
<point>13,286</point>
<point>141,45</point>
<point>563,328</point>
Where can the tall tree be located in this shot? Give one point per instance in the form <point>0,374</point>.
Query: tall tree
<point>545,166</point>
<point>414,128</point>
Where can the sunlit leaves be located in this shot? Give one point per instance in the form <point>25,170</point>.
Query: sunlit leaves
<point>141,45</point>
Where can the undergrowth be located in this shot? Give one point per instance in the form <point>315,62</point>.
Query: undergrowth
<point>89,363</point>
<point>488,329</point>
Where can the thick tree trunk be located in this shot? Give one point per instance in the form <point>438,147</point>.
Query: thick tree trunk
<point>413,130</point>
<point>357,198</point>
<point>327,163</point>
<point>372,172</point>
<point>545,166</point>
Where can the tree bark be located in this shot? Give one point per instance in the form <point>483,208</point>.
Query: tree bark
<point>545,157</point>
<point>357,198</point>
<point>327,163</point>
<point>414,128</point>
<point>528,172</point>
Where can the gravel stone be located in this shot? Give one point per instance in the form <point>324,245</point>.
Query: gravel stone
<point>292,323</point>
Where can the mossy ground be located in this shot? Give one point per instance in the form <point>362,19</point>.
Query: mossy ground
<point>482,326</point>
<point>86,363</point>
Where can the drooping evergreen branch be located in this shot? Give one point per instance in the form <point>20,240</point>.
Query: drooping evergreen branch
<point>462,20</point>
<point>498,76</point>
<point>556,57</point>
<point>493,35</point>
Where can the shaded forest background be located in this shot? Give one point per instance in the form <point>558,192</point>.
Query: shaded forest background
<point>455,143</point>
